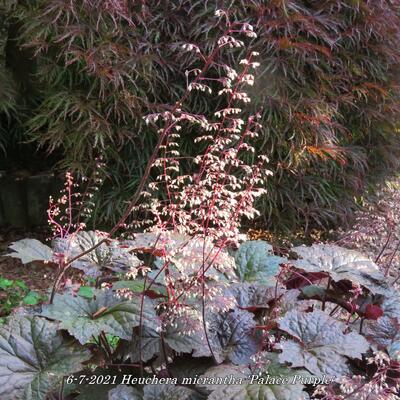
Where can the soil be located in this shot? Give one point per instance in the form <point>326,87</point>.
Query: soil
<point>37,276</point>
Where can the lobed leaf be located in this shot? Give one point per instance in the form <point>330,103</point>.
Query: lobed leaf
<point>341,264</point>
<point>174,335</point>
<point>231,336</point>
<point>320,346</point>
<point>34,357</point>
<point>255,262</point>
<point>385,334</point>
<point>243,389</point>
<point>252,296</point>
<point>28,250</point>
<point>391,304</point>
<point>108,255</point>
<point>84,318</point>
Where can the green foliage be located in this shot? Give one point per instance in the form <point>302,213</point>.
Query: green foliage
<point>86,291</point>
<point>327,88</point>
<point>256,262</point>
<point>15,293</point>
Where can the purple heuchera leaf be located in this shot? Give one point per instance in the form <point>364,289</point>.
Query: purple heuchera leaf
<point>34,358</point>
<point>242,389</point>
<point>84,318</point>
<point>341,264</point>
<point>385,334</point>
<point>108,255</point>
<point>175,335</point>
<point>28,250</point>
<point>391,304</point>
<point>320,346</point>
<point>231,336</point>
<point>252,295</point>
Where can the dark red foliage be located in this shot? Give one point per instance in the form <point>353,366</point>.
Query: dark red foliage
<point>328,87</point>
<point>304,279</point>
<point>373,312</point>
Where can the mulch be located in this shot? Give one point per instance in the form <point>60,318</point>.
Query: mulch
<point>37,276</point>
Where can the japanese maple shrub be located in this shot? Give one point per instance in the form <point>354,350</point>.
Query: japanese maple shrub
<point>327,86</point>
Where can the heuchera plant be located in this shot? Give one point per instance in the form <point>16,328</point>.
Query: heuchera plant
<point>183,306</point>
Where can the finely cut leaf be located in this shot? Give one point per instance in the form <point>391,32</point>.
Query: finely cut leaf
<point>34,357</point>
<point>28,250</point>
<point>256,263</point>
<point>323,346</point>
<point>84,318</point>
<point>341,264</point>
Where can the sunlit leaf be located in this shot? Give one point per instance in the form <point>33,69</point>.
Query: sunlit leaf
<point>252,296</point>
<point>320,346</point>
<point>341,264</point>
<point>255,262</point>
<point>391,304</point>
<point>109,255</point>
<point>385,334</point>
<point>84,318</point>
